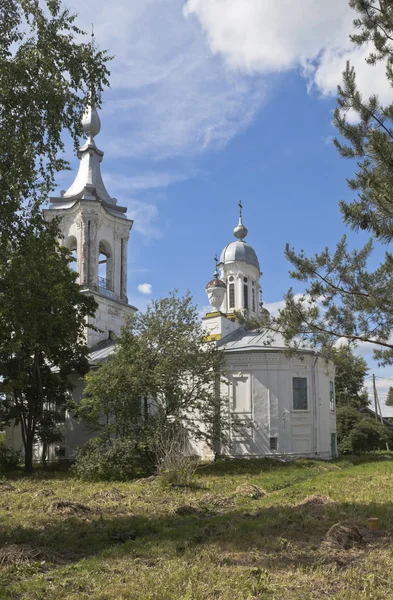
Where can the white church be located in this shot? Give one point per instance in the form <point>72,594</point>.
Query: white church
<point>279,405</point>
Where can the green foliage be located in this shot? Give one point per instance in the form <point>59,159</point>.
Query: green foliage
<point>174,465</point>
<point>9,458</point>
<point>357,433</point>
<point>47,69</point>
<point>114,460</point>
<point>389,399</point>
<point>162,373</point>
<point>349,380</point>
<point>42,323</point>
<point>344,298</point>
<point>48,72</point>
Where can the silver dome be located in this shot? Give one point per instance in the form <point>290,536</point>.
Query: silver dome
<point>239,251</point>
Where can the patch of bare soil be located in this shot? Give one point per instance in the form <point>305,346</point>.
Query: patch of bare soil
<point>186,510</point>
<point>18,554</point>
<point>44,494</point>
<point>216,500</point>
<point>67,508</point>
<point>6,487</point>
<point>249,490</point>
<point>114,495</point>
<point>147,479</point>
<point>344,535</point>
<point>315,501</point>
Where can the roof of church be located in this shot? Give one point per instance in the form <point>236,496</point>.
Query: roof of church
<point>101,352</point>
<point>243,340</point>
<point>88,183</point>
<point>239,250</point>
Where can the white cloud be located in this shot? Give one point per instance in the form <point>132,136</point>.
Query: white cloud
<point>257,36</point>
<point>274,307</point>
<point>170,96</point>
<point>145,180</point>
<point>144,216</point>
<point>145,288</point>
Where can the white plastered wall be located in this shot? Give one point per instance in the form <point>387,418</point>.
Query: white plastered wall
<point>259,399</point>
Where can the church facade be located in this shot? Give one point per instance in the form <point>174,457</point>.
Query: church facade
<point>278,405</point>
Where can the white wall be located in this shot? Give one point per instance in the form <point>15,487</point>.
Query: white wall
<point>259,398</point>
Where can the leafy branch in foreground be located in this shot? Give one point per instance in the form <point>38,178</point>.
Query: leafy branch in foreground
<point>47,70</point>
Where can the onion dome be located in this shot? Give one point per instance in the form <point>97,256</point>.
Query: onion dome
<point>216,290</point>
<point>240,232</point>
<point>240,250</point>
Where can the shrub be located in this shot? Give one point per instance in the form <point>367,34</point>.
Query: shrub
<point>359,433</point>
<point>9,458</point>
<point>173,461</point>
<point>117,460</point>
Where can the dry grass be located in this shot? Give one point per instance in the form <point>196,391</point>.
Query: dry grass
<point>23,553</point>
<point>206,542</point>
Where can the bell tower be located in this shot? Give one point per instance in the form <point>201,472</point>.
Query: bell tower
<point>96,230</point>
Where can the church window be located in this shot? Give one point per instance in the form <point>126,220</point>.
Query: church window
<point>273,443</point>
<point>253,298</point>
<point>332,398</point>
<point>245,295</point>
<point>231,295</point>
<point>105,266</point>
<point>231,278</point>
<point>299,393</point>
<point>245,279</point>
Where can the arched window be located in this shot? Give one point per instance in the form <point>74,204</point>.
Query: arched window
<point>245,295</point>
<point>231,295</point>
<point>71,245</point>
<point>105,266</point>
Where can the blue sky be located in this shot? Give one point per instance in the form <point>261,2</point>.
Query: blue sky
<point>213,101</point>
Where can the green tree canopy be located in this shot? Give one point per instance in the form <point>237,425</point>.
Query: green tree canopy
<point>389,399</point>
<point>42,331</point>
<point>351,371</point>
<point>47,70</point>
<point>162,372</point>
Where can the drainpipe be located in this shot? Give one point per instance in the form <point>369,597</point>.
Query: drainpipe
<point>314,412</point>
<point>284,414</point>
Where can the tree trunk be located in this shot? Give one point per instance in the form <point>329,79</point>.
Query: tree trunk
<point>29,454</point>
<point>43,456</point>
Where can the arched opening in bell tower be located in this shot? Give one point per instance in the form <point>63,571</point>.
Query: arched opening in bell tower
<point>72,246</point>
<point>105,266</point>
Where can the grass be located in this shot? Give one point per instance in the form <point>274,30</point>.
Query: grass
<point>131,541</point>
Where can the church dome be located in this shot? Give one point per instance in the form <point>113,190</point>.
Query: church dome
<point>239,251</point>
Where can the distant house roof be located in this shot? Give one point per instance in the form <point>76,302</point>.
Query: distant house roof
<point>387,413</point>
<point>242,340</point>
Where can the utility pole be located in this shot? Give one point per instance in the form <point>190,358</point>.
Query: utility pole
<point>376,402</point>
<point>375,398</point>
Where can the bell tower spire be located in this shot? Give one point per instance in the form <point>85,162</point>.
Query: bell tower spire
<point>96,229</point>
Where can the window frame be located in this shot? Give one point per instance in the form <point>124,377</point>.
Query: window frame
<point>245,296</point>
<point>232,297</point>
<point>273,446</point>
<point>293,393</point>
<point>332,396</point>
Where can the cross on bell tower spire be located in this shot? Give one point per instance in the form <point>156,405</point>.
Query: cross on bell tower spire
<point>240,232</point>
